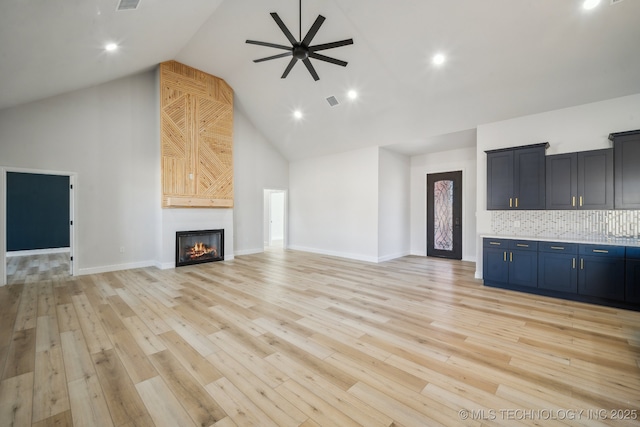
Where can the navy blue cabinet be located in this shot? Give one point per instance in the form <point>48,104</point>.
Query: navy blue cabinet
<point>602,271</point>
<point>581,180</point>
<point>510,263</point>
<point>600,274</point>
<point>516,177</point>
<point>632,281</point>
<point>495,266</point>
<point>558,266</point>
<point>626,147</point>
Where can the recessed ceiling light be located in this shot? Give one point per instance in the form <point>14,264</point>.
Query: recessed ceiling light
<point>110,47</point>
<point>438,59</point>
<point>297,114</point>
<point>590,4</point>
<point>352,94</point>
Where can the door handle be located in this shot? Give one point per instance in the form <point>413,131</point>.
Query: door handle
<point>516,202</point>
<point>573,201</point>
<point>580,200</point>
<point>510,202</point>
<point>510,256</point>
<point>574,263</point>
<point>505,256</point>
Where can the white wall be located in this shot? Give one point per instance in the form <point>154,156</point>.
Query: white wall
<point>257,166</point>
<point>333,202</point>
<point>463,159</point>
<point>107,135</point>
<point>580,128</point>
<point>393,205</point>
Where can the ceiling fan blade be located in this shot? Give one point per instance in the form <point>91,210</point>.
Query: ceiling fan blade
<point>327,59</point>
<point>311,69</point>
<point>280,55</point>
<point>289,67</point>
<point>277,46</point>
<point>284,28</point>
<point>325,46</point>
<point>313,30</point>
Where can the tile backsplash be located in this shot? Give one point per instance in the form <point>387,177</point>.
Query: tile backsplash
<point>591,225</point>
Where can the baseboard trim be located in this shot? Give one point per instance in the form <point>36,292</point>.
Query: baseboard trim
<point>116,267</point>
<point>38,252</point>
<point>333,253</point>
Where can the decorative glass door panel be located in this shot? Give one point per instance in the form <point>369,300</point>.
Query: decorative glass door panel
<point>444,215</point>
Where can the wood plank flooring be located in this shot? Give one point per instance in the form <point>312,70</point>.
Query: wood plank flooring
<point>286,338</point>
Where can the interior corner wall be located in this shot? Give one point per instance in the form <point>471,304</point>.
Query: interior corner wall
<point>108,135</point>
<point>393,205</point>
<point>257,166</point>
<point>463,159</point>
<point>580,128</point>
<point>333,202</point>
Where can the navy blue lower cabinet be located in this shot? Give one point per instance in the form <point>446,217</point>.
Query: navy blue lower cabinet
<point>510,263</point>
<point>523,263</point>
<point>495,266</point>
<point>602,272</point>
<point>558,267</point>
<point>632,282</point>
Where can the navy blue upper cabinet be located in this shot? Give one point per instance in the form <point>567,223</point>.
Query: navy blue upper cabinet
<point>626,147</point>
<point>581,180</point>
<point>516,177</point>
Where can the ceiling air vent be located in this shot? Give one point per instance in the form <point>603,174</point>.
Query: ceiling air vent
<point>332,101</point>
<point>128,4</point>
<point>615,2</point>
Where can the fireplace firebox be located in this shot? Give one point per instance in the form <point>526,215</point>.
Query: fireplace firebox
<point>197,247</point>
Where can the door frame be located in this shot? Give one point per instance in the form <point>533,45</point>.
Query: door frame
<point>73,215</point>
<point>456,253</point>
<point>267,216</point>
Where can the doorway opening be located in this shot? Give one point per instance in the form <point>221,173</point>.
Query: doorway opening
<point>37,210</point>
<point>275,219</point>
<point>444,215</point>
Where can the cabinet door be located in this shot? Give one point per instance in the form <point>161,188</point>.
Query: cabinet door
<point>495,265</point>
<point>499,180</point>
<point>595,179</point>
<point>632,284</point>
<point>529,178</point>
<point>558,272</point>
<point>523,268</point>
<point>602,277</point>
<point>626,148</point>
<point>562,181</point>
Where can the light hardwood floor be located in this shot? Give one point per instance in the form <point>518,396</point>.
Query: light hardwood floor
<point>287,338</point>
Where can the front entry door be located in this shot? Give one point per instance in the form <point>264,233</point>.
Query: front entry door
<point>444,215</point>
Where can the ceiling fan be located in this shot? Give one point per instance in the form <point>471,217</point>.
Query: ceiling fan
<point>300,49</point>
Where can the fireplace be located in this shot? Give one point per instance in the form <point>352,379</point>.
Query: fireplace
<point>196,247</point>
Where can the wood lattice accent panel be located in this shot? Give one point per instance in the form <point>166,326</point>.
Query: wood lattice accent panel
<point>196,131</point>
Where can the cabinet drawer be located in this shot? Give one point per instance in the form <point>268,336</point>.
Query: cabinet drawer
<point>495,243</point>
<point>558,247</point>
<point>633,252</point>
<point>523,245</point>
<point>602,250</point>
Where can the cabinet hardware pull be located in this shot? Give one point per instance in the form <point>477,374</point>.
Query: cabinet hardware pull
<point>505,256</point>
<point>600,251</point>
<point>560,248</point>
<point>495,243</point>
<point>574,263</point>
<point>516,202</point>
<point>573,201</point>
<point>510,256</point>
<point>510,202</point>
<point>580,200</point>
<point>581,263</point>
<point>521,245</point>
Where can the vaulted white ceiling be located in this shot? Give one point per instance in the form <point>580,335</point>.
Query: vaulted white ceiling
<point>505,58</point>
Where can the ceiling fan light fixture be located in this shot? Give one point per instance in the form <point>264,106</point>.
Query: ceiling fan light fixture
<point>300,49</point>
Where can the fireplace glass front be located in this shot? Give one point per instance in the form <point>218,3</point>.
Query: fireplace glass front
<point>196,247</point>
